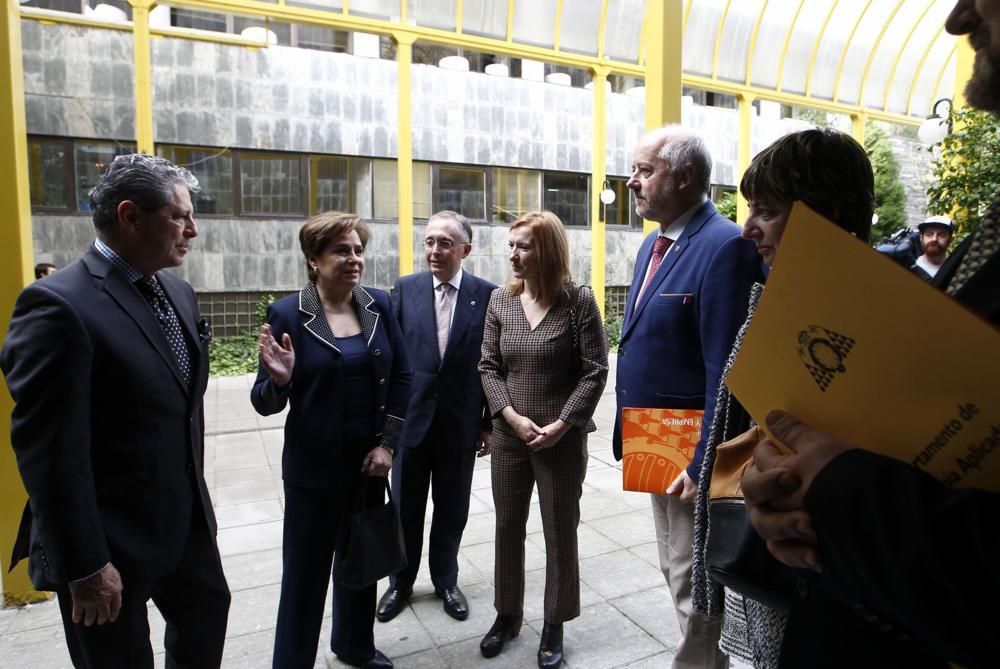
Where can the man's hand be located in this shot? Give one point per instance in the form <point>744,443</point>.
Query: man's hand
<point>378,462</point>
<point>483,447</point>
<point>97,599</point>
<point>775,486</point>
<point>550,435</point>
<point>684,487</point>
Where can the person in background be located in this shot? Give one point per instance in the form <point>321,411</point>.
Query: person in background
<point>334,354</point>
<point>544,365</point>
<point>936,234</point>
<point>43,269</point>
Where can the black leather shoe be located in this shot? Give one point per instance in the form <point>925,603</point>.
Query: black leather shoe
<point>504,628</point>
<point>377,661</point>
<point>392,603</point>
<point>550,653</point>
<point>455,604</point>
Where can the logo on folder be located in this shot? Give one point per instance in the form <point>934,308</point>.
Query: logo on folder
<point>657,445</point>
<point>823,352</point>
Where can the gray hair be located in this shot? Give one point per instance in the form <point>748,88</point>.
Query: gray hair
<point>462,221</point>
<point>679,147</point>
<point>146,180</point>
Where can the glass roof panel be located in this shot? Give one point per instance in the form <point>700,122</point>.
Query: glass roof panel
<point>581,23</point>
<point>771,38</point>
<point>924,93</point>
<point>485,17</point>
<point>736,35</point>
<point>947,87</point>
<point>926,34</point>
<point>831,47</point>
<point>888,50</point>
<point>802,43</point>
<point>699,36</point>
<point>624,29</point>
<point>380,9</point>
<point>328,5</point>
<point>535,22</point>
<point>860,48</point>
<point>431,13</point>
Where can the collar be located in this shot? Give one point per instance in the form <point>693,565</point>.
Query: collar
<point>455,281</point>
<point>116,260</point>
<point>676,229</point>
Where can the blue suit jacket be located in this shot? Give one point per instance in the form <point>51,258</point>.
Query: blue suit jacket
<point>675,341</point>
<point>449,388</point>
<point>313,456</point>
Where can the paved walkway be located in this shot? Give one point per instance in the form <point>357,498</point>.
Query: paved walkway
<point>626,620</point>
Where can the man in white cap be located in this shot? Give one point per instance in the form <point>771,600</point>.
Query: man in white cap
<point>935,237</point>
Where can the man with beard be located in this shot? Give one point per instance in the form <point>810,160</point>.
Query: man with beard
<point>689,296</point>
<point>885,537</point>
<point>935,237</point>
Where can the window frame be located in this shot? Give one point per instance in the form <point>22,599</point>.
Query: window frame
<point>304,177</point>
<point>69,175</point>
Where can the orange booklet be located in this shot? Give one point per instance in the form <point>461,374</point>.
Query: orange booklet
<point>657,445</point>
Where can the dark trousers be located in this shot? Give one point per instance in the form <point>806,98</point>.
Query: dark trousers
<point>559,472</point>
<point>447,470</point>
<point>314,520</point>
<point>194,602</point>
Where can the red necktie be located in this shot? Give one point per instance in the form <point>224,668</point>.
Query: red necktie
<point>660,247</point>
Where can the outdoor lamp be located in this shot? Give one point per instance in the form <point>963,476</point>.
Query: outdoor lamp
<point>937,126</point>
<point>608,194</point>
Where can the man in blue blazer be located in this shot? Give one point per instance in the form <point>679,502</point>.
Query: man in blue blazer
<point>107,362</point>
<point>441,312</point>
<point>688,298</point>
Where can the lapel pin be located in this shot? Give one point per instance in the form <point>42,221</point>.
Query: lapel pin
<point>472,303</point>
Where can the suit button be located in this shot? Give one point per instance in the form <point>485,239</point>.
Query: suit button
<point>382,408</point>
<point>381,382</point>
<point>376,352</point>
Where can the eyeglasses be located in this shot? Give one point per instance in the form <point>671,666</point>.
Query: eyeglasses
<point>444,243</point>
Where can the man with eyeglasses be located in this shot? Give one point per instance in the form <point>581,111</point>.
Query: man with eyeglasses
<point>441,312</point>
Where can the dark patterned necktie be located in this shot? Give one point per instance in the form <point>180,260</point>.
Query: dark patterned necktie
<point>985,243</point>
<point>153,292</point>
<point>660,247</point>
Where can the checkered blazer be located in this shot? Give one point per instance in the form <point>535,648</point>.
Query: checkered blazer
<point>540,372</point>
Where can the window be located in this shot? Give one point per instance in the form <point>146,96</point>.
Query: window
<point>214,170</point>
<point>283,31</point>
<point>192,18</point>
<point>271,184</point>
<point>91,159</point>
<point>50,173</point>
<point>515,192</point>
<point>461,189</point>
<point>385,192</point>
<point>566,196</point>
<point>621,211</point>
<point>339,183</point>
<point>422,190</point>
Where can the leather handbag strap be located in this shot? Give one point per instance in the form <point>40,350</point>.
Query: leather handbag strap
<point>731,460</point>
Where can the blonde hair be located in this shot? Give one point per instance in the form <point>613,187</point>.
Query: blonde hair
<point>548,237</point>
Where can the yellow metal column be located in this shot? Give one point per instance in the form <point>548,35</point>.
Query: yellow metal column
<point>858,127</point>
<point>597,176</point>
<point>404,156</point>
<point>663,35</point>
<point>143,75</point>
<point>745,111</point>
<point>15,273</point>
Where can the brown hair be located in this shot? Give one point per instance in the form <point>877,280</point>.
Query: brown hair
<point>826,169</point>
<point>552,248</point>
<point>321,229</point>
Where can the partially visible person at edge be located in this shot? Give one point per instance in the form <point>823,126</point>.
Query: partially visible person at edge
<point>544,365</point>
<point>936,233</point>
<point>335,355</point>
<point>688,296</point>
<point>43,269</point>
<point>880,534</point>
<point>107,362</point>
<point>829,172</point>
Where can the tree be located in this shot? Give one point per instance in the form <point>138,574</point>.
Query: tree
<point>890,196</point>
<point>727,205</point>
<point>967,169</point>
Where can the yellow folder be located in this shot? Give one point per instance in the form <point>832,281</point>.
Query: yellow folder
<point>855,345</point>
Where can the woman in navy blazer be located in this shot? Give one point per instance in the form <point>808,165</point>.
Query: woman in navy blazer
<point>335,354</point>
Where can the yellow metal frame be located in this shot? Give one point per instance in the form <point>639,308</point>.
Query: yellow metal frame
<point>718,39</point>
<point>847,48</point>
<point>902,48</point>
<point>815,49</point>
<point>784,49</point>
<point>752,48</point>
<point>920,66</point>
<point>875,46</point>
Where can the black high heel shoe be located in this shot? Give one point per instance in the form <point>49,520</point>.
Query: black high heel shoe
<point>550,652</point>
<point>504,628</point>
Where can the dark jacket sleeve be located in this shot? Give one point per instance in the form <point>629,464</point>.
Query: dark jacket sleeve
<point>400,378</point>
<point>917,554</point>
<point>491,367</point>
<point>47,359</point>
<point>266,396</point>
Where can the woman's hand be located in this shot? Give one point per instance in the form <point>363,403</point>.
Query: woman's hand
<point>278,359</point>
<point>524,428</point>
<point>550,435</point>
<point>378,462</point>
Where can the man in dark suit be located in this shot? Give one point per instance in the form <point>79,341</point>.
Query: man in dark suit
<point>688,298</point>
<point>441,312</point>
<point>107,363</point>
<point>886,537</point>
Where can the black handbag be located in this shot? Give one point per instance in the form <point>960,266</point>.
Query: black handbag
<point>737,557</point>
<point>372,544</point>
